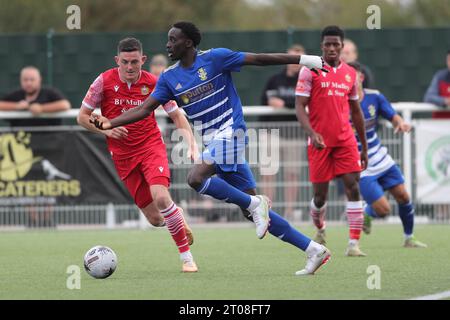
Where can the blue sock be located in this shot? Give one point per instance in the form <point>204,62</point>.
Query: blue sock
<point>406,213</point>
<point>221,190</point>
<point>281,229</point>
<point>370,212</point>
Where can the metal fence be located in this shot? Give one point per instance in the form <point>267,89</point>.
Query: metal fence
<point>289,189</point>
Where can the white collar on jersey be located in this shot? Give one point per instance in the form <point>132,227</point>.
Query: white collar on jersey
<point>335,68</point>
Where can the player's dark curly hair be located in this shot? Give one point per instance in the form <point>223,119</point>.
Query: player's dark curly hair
<point>333,31</point>
<point>190,30</point>
<point>129,45</point>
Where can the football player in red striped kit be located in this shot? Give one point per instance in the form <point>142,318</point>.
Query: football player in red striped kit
<point>138,150</point>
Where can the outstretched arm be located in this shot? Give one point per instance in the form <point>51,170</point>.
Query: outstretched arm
<point>132,115</point>
<point>267,59</point>
<point>400,125</point>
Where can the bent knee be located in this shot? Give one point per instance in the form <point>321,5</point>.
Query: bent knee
<point>403,198</point>
<point>383,210</point>
<point>194,181</point>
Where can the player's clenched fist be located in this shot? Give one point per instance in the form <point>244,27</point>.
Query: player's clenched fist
<point>317,141</point>
<point>100,122</point>
<point>364,159</point>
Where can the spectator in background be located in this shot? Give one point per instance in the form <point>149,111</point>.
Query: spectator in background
<point>279,93</point>
<point>34,98</point>
<point>350,54</point>
<point>158,64</point>
<point>438,92</point>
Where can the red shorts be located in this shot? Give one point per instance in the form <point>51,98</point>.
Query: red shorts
<point>328,163</point>
<point>140,172</point>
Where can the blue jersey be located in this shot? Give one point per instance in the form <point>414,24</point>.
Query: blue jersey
<point>206,93</point>
<point>374,105</point>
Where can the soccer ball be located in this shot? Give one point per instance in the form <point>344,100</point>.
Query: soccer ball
<point>100,262</point>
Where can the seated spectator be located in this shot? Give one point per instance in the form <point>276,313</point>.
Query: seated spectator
<point>349,54</point>
<point>438,92</point>
<point>34,98</point>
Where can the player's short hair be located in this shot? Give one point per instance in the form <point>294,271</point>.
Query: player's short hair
<point>129,45</point>
<point>333,31</point>
<point>355,65</point>
<point>190,31</point>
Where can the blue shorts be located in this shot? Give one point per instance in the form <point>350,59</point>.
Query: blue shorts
<point>372,187</point>
<point>229,158</point>
<point>241,178</point>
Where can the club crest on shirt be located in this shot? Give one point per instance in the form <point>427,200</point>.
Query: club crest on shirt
<point>348,78</point>
<point>202,74</point>
<point>372,110</point>
<point>145,90</point>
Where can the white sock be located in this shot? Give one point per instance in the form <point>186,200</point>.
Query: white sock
<point>313,247</point>
<point>313,205</point>
<point>186,256</point>
<point>353,242</point>
<point>408,236</point>
<point>254,203</point>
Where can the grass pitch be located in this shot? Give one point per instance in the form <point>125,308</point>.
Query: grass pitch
<point>233,264</point>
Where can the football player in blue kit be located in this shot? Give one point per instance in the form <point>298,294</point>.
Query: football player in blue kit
<point>201,83</point>
<point>382,173</point>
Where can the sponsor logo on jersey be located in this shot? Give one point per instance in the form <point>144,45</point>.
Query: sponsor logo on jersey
<point>202,74</point>
<point>197,93</point>
<point>179,86</point>
<point>161,169</point>
<point>116,88</point>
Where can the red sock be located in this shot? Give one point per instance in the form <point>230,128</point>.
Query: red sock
<point>355,219</point>
<point>175,225</point>
<point>317,215</point>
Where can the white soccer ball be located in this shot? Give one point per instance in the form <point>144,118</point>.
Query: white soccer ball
<point>100,262</point>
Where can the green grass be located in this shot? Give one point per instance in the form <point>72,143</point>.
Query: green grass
<point>233,264</point>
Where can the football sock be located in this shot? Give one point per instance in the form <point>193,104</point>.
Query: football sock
<point>406,213</point>
<point>355,218</point>
<point>318,215</point>
<point>186,256</point>
<point>175,225</point>
<point>281,229</point>
<point>221,190</point>
<point>370,212</point>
